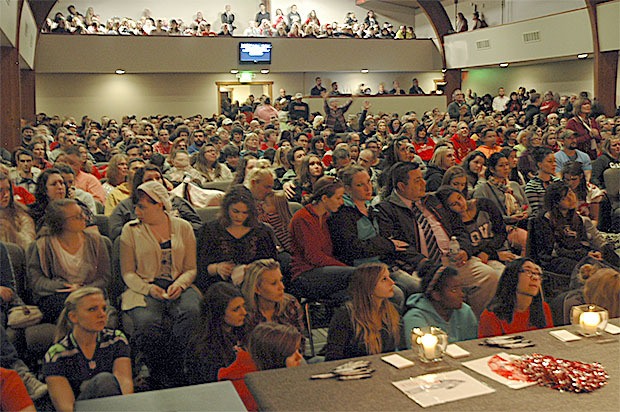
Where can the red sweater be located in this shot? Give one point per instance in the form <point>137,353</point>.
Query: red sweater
<point>13,393</point>
<point>490,325</point>
<point>461,149</point>
<point>312,244</point>
<point>235,373</point>
<point>425,150</point>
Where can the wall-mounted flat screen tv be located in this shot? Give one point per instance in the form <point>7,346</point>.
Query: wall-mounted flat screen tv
<point>254,53</point>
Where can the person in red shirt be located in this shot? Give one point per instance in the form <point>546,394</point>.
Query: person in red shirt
<point>423,144</point>
<point>316,272</point>
<point>163,146</point>
<point>518,305</point>
<point>270,346</point>
<point>463,144</point>
<point>13,393</point>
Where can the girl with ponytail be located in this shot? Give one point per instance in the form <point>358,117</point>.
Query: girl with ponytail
<point>87,360</point>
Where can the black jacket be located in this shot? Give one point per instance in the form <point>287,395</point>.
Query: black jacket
<point>351,232</point>
<point>397,221</point>
<point>433,177</point>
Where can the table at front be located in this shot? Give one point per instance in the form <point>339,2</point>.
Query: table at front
<point>292,390</point>
<point>218,396</point>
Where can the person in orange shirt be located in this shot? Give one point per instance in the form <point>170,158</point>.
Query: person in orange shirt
<point>488,138</point>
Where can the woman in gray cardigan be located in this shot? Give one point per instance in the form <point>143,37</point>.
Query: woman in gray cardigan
<point>65,258</point>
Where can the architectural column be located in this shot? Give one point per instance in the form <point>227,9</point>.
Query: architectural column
<point>605,66</point>
<point>9,98</point>
<point>28,99</point>
<point>442,25</point>
<point>453,80</point>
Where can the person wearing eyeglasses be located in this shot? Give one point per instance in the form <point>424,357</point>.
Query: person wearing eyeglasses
<point>462,142</point>
<point>518,305</point>
<point>65,258</point>
<point>458,100</point>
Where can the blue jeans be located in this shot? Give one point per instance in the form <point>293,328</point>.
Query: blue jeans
<point>163,329</point>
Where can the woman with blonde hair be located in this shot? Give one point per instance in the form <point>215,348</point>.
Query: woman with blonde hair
<point>280,162</point>
<point>116,173</point>
<point>16,225</point>
<point>87,360</point>
<point>265,299</point>
<point>368,324</point>
<point>442,160</point>
<point>603,288</point>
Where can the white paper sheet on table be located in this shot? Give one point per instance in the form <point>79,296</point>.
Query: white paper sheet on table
<point>482,367</point>
<point>435,389</point>
<point>613,329</point>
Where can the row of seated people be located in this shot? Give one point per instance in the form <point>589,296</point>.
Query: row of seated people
<point>262,25</point>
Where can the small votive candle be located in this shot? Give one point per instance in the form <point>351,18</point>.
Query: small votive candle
<point>429,344</point>
<point>589,322</point>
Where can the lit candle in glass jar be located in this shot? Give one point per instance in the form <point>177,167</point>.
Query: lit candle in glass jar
<point>429,344</point>
<point>589,321</point>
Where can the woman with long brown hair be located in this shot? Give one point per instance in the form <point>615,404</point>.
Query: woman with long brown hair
<point>367,324</point>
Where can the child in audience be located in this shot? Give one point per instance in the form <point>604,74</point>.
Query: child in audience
<point>440,304</point>
<point>367,324</point>
<point>87,361</point>
<point>271,346</point>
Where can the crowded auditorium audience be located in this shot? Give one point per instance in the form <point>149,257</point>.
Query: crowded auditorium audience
<point>263,25</point>
<point>362,220</point>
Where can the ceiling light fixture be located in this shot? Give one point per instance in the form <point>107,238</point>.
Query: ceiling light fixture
<point>364,71</point>
<point>264,71</point>
<point>234,71</point>
<point>503,65</point>
<point>119,71</point>
<point>443,70</point>
<point>582,56</point>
